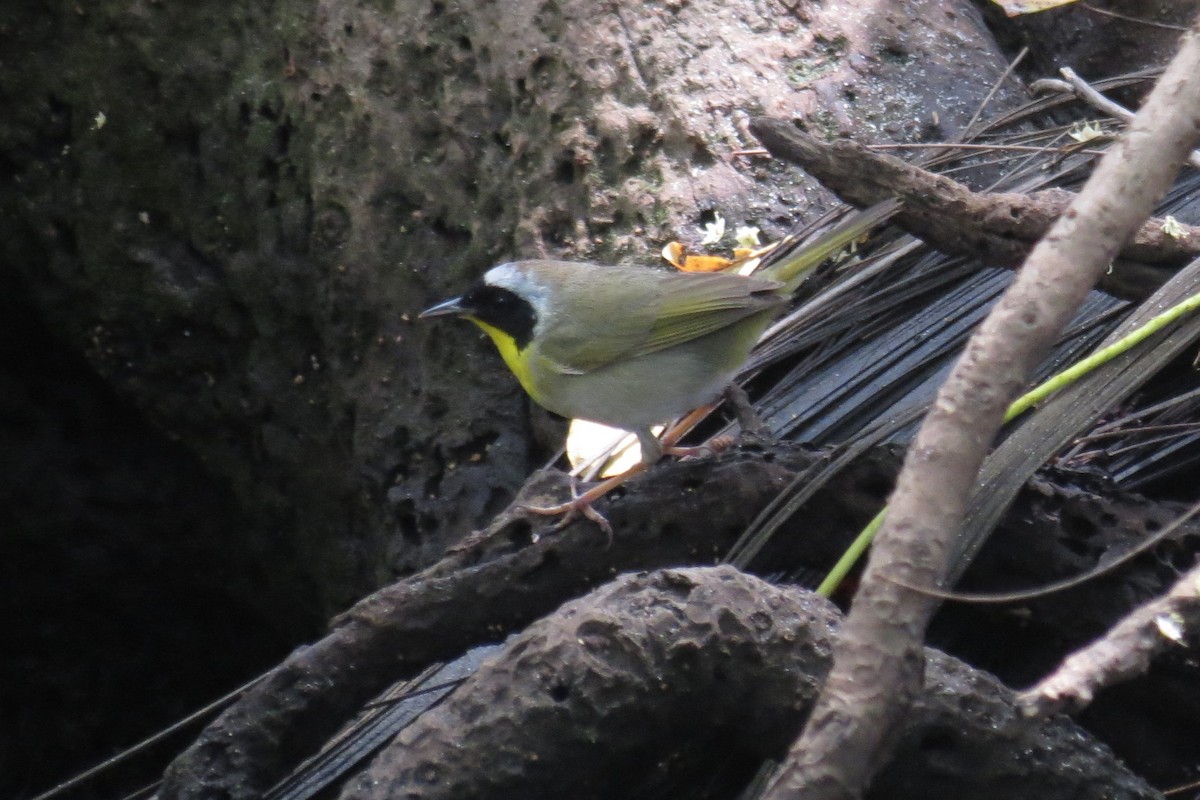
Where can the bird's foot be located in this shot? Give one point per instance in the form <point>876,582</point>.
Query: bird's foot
<point>583,503</point>
<point>716,444</point>
<point>652,450</point>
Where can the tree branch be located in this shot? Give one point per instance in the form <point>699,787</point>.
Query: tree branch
<point>743,660</point>
<point>878,657</point>
<point>1123,653</point>
<point>998,228</point>
<point>480,592</point>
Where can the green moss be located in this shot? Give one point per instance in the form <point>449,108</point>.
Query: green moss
<point>826,56</point>
<point>824,124</point>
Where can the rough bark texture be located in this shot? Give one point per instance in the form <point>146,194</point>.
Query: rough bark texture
<point>232,213</point>
<point>220,426</point>
<point>650,665</point>
<point>239,263</point>
<point>502,581</point>
<point>878,658</point>
<point>997,229</point>
<point>1124,652</point>
<point>499,585</point>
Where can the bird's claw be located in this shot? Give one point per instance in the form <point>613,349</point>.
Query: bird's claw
<point>578,504</point>
<point>712,447</point>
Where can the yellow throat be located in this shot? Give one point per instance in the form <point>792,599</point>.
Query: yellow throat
<point>512,355</point>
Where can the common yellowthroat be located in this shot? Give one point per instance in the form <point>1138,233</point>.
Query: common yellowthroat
<point>631,347</point>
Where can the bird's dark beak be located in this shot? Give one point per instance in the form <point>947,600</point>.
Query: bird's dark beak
<point>450,308</point>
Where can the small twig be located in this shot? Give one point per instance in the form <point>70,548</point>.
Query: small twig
<point>1012,65</point>
<point>1136,20</point>
<point>1024,595</point>
<point>1186,787</point>
<point>1072,83</point>
<point>1175,428</point>
<point>1123,653</point>
<point>1015,148</point>
<point>1086,92</point>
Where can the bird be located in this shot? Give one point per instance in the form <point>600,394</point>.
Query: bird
<point>632,347</point>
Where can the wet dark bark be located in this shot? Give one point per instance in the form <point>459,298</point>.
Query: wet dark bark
<point>995,229</point>
<point>707,666</point>
<point>502,581</point>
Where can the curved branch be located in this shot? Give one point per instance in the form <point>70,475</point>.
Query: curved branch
<point>998,228</point>
<point>877,671</point>
<point>1123,653</point>
<point>744,660</point>
<point>499,583</point>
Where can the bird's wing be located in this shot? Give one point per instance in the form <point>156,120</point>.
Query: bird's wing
<point>692,306</point>
<point>606,320</point>
<point>633,316</point>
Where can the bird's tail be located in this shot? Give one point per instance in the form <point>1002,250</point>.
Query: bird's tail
<point>793,260</point>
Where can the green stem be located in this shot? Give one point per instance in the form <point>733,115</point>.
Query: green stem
<point>1020,406</point>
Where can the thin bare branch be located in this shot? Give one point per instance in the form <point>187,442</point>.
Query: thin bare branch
<point>1072,83</point>
<point>1124,653</point>
<point>878,656</point>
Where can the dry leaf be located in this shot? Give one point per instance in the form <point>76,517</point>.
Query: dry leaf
<point>1015,8</point>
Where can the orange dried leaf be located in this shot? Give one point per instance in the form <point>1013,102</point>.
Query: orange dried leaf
<point>674,253</point>
<point>699,263</point>
<point>677,255</point>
